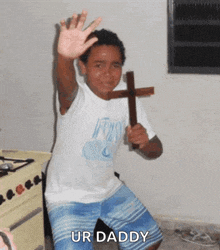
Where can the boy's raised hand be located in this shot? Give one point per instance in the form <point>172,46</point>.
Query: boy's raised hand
<point>72,40</point>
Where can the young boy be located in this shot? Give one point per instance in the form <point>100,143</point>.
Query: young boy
<point>81,185</point>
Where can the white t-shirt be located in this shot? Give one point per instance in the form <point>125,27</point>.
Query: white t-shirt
<point>88,136</point>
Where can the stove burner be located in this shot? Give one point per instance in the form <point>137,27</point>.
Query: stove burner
<point>12,165</point>
<point>6,166</point>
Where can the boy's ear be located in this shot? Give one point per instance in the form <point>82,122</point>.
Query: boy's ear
<point>82,67</point>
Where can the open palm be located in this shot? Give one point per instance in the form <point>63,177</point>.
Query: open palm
<point>73,40</point>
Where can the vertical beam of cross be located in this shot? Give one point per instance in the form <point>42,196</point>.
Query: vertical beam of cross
<point>131,93</point>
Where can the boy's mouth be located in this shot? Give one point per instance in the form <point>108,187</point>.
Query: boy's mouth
<point>109,85</point>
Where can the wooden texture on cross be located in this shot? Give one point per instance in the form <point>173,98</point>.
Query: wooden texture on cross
<point>131,93</point>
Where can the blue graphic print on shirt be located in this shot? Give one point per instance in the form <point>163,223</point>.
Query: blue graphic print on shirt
<point>105,138</point>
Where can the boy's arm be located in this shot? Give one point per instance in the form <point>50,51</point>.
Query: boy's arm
<point>150,148</point>
<point>72,44</point>
<point>153,149</point>
<point>67,85</point>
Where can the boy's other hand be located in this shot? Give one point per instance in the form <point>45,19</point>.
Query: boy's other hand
<point>137,135</point>
<point>4,242</point>
<point>72,40</point>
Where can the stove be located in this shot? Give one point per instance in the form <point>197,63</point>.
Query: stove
<point>21,206</point>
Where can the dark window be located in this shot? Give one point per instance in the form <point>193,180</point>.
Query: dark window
<point>194,36</point>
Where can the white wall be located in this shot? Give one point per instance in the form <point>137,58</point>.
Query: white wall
<point>184,182</point>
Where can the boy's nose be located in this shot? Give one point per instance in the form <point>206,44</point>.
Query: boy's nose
<point>107,71</point>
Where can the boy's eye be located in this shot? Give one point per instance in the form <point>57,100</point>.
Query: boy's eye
<point>98,65</point>
<point>117,66</point>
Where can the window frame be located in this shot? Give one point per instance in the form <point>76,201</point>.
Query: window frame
<point>172,44</point>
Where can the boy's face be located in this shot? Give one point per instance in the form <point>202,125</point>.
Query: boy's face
<point>103,69</point>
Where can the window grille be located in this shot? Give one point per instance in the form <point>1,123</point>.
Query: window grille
<point>194,36</point>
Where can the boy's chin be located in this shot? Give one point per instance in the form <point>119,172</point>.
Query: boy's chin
<point>105,96</point>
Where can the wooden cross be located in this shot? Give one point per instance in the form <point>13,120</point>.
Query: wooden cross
<point>131,93</point>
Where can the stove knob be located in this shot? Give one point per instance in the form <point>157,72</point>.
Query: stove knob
<point>20,189</point>
<point>37,180</point>
<point>10,194</point>
<point>1,199</point>
<point>28,184</point>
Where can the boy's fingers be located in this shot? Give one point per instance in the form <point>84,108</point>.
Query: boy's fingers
<point>129,129</point>
<point>137,134</point>
<point>93,25</point>
<point>82,19</point>
<point>135,137</point>
<point>90,42</point>
<point>63,25</point>
<point>73,21</point>
<point>138,126</point>
<point>139,140</point>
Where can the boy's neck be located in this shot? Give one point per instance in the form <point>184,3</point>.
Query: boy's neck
<point>103,96</point>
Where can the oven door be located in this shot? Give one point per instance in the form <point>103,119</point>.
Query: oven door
<point>25,222</point>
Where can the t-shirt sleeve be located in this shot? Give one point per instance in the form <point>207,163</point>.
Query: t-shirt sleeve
<point>143,120</point>
<point>77,102</point>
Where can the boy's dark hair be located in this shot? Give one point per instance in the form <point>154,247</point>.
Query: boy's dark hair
<point>105,37</point>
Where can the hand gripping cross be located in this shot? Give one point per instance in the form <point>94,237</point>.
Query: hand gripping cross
<point>131,93</point>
